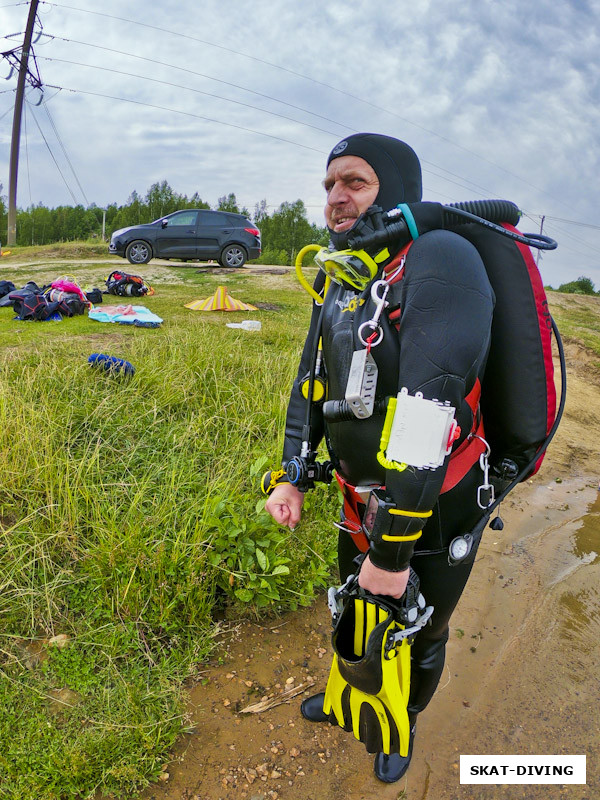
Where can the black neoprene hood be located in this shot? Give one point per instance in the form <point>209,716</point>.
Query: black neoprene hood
<point>395,163</point>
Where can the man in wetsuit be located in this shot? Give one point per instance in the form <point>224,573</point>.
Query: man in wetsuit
<point>436,336</point>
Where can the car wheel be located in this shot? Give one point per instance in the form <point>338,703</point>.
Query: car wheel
<point>138,252</point>
<point>233,256</point>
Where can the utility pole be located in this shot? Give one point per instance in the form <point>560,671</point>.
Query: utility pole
<point>539,252</point>
<point>16,128</point>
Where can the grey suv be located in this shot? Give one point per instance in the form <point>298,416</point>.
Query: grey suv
<point>192,234</point>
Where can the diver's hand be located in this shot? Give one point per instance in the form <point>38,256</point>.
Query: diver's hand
<point>380,581</point>
<point>285,505</point>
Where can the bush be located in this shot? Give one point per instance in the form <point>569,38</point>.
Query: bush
<point>582,285</point>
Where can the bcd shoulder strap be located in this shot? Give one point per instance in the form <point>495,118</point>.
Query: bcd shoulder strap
<point>473,446</point>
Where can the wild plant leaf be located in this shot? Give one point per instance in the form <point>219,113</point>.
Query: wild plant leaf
<point>263,561</point>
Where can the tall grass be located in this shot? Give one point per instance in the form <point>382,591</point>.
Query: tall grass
<point>129,513</point>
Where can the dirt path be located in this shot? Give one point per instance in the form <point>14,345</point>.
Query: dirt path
<point>521,675</point>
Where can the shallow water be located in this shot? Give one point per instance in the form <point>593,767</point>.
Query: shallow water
<point>535,679</point>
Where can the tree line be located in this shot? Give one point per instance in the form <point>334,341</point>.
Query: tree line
<point>284,231</point>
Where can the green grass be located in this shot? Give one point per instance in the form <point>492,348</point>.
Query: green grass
<point>131,519</point>
<point>578,318</point>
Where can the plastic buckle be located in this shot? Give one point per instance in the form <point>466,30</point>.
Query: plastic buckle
<point>395,639</point>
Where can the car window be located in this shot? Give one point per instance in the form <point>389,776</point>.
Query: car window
<point>213,218</point>
<point>185,218</point>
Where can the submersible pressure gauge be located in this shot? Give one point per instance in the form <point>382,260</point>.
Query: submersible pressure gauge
<point>459,549</point>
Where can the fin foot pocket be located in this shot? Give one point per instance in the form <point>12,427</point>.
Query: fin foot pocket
<point>390,769</point>
<point>311,708</point>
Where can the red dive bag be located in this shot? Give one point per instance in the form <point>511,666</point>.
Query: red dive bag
<point>518,396</point>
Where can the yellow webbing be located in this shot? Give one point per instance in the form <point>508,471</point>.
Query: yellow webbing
<point>385,438</point>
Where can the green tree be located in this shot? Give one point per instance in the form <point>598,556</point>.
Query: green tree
<point>228,203</point>
<point>196,202</point>
<point>260,212</point>
<point>582,285</point>
<point>161,200</point>
<point>289,230</point>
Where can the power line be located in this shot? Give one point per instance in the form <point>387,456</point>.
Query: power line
<point>485,192</point>
<point>563,233</point>
<point>200,75</point>
<point>190,89</point>
<point>575,222</point>
<point>66,155</point>
<point>304,77</point>
<point>187,114</point>
<point>54,159</point>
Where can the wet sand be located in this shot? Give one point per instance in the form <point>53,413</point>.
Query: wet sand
<point>522,675</point>
<point>521,678</point>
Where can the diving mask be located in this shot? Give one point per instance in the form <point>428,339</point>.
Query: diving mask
<point>355,268</point>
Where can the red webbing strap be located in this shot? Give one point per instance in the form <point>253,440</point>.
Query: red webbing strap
<point>352,515</point>
<point>397,261</point>
<point>469,451</point>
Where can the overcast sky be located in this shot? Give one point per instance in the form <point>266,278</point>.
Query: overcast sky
<point>499,99</point>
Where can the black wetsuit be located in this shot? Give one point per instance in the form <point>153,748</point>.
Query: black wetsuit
<point>440,349</point>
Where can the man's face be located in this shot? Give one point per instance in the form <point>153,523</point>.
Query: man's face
<point>352,186</point>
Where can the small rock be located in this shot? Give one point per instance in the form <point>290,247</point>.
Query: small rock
<point>164,776</point>
<point>289,681</point>
<point>275,774</point>
<point>294,752</point>
<point>60,641</point>
<point>63,699</point>
<point>226,703</point>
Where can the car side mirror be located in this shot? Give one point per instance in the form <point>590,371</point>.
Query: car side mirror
<point>164,223</point>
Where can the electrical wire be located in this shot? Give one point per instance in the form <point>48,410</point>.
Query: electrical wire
<point>562,233</point>
<point>54,159</point>
<point>5,113</point>
<point>200,75</point>
<point>66,155</point>
<point>188,88</point>
<point>481,190</point>
<point>304,77</point>
<point>466,185</point>
<point>187,114</point>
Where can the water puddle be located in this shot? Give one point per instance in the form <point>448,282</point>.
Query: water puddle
<point>535,672</point>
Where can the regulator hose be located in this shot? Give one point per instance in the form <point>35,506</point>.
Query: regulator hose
<point>378,230</point>
<point>459,213</point>
<point>491,210</point>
